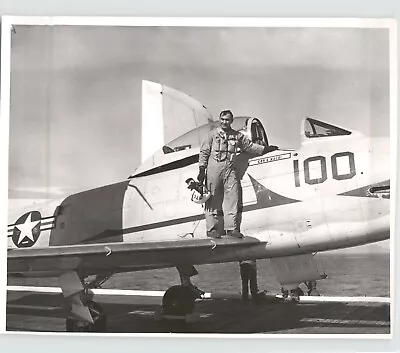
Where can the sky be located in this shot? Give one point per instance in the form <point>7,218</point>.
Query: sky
<point>76,91</point>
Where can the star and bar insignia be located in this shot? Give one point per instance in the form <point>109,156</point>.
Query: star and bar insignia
<point>26,230</point>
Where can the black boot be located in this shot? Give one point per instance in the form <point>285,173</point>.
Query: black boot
<point>234,234</point>
<point>213,234</point>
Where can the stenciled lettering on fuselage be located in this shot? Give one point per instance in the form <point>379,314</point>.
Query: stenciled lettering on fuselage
<point>347,157</point>
<point>263,160</point>
<point>26,230</point>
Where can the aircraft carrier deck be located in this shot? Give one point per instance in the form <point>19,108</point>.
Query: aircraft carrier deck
<point>136,314</point>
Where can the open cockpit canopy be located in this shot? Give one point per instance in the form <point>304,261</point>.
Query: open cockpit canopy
<point>168,115</point>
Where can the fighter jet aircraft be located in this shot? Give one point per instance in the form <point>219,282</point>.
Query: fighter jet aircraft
<point>332,192</point>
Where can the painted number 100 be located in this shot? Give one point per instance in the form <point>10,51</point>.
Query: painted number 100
<point>321,160</point>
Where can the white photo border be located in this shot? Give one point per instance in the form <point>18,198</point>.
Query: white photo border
<point>9,21</point>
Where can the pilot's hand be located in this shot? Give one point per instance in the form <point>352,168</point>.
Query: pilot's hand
<point>270,148</point>
<point>202,175</point>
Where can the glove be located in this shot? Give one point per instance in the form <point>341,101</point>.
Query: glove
<point>270,148</point>
<point>202,175</point>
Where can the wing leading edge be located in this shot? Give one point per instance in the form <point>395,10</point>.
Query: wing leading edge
<point>123,257</point>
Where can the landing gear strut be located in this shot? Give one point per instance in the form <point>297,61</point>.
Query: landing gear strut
<point>84,314</point>
<point>99,318</point>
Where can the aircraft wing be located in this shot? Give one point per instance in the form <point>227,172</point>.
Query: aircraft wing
<point>123,257</point>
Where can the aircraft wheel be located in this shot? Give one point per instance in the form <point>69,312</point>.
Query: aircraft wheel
<point>99,318</point>
<point>178,300</point>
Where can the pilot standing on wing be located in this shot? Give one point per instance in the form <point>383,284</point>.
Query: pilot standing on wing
<point>217,157</point>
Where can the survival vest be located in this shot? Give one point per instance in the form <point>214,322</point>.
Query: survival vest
<point>225,146</point>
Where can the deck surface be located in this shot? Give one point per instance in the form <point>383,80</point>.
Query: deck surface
<point>42,313</point>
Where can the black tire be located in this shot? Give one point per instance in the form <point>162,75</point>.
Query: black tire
<point>99,318</point>
<point>178,300</point>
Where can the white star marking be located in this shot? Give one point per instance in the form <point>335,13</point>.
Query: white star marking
<point>26,229</point>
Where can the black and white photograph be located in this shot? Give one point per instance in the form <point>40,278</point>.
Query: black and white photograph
<point>212,176</point>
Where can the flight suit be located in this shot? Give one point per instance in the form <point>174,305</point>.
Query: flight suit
<point>217,155</point>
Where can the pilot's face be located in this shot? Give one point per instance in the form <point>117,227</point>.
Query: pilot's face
<point>226,121</point>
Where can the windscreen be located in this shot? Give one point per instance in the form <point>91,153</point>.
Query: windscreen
<point>314,128</point>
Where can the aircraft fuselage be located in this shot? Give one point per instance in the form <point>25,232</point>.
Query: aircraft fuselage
<point>331,193</point>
